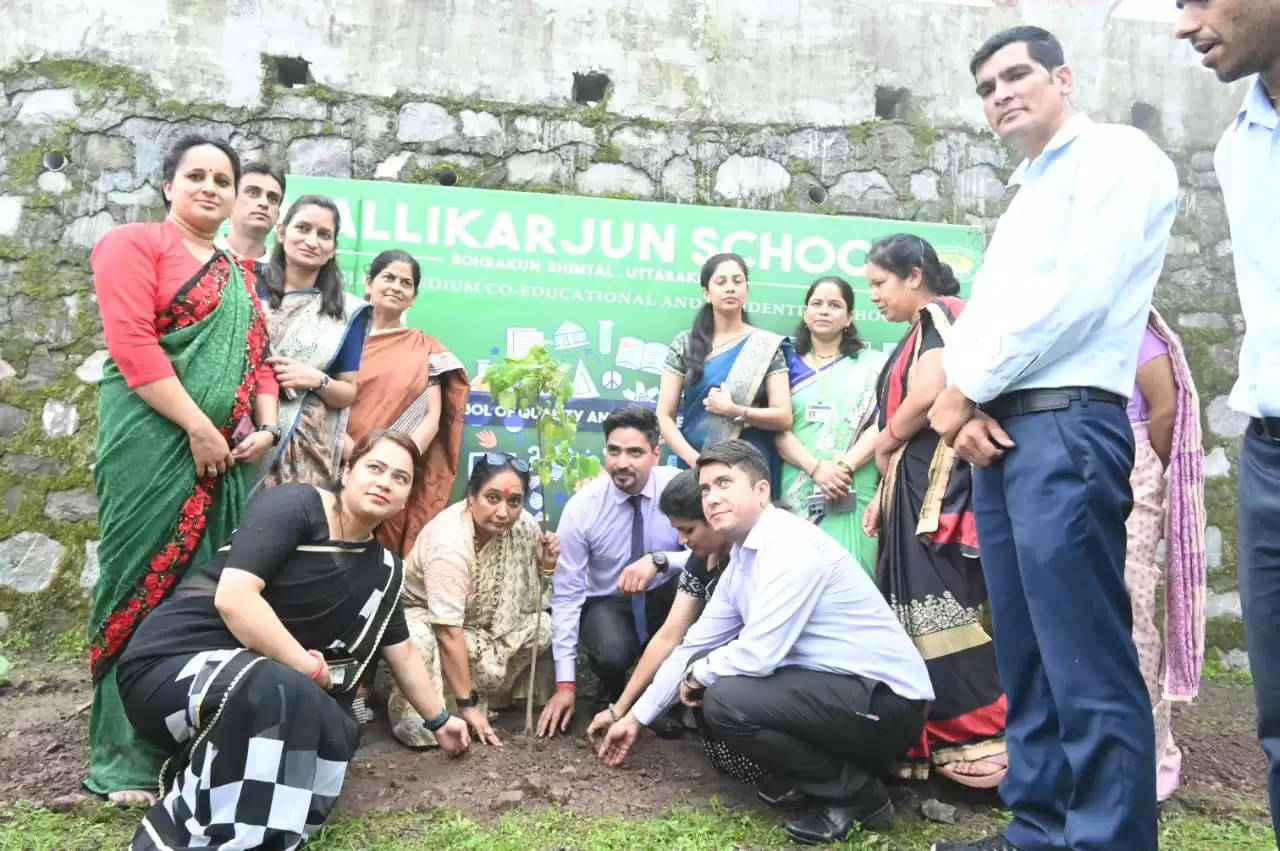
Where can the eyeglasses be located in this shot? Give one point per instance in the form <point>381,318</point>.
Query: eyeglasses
<point>501,459</point>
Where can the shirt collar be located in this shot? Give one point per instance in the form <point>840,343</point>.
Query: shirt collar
<point>759,534</point>
<point>649,491</point>
<point>1067,133</point>
<point>1257,108</point>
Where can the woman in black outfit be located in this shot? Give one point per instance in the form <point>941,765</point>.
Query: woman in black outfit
<point>245,675</point>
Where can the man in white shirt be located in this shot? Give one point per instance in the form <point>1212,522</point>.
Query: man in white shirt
<point>1239,38</point>
<point>797,660</point>
<point>1038,368</point>
<point>619,555</point>
<point>256,211</point>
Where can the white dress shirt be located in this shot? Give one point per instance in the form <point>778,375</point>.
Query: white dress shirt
<point>595,545</point>
<point>1065,286</point>
<point>791,596</point>
<point>1248,164</point>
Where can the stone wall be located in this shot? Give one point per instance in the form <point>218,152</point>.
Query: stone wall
<point>925,158</point>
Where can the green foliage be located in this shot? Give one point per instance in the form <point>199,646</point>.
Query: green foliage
<point>5,668</point>
<point>540,384</point>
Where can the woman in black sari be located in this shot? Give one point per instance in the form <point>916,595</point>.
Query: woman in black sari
<point>245,675</point>
<point>927,563</point>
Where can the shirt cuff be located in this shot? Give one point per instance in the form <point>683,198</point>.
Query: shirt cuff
<point>566,670</point>
<point>702,671</point>
<point>646,708</point>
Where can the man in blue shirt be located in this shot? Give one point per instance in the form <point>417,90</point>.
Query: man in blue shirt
<point>1240,38</point>
<point>1038,368</point>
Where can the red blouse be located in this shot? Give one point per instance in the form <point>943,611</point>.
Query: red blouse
<point>137,270</point>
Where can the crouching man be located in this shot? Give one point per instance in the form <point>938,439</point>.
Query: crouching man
<point>797,661</point>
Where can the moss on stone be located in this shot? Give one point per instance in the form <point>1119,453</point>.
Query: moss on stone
<point>1224,633</point>
<point>597,114</point>
<point>90,77</point>
<point>609,152</point>
<point>924,134</point>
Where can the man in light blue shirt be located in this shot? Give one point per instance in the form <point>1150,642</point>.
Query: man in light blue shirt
<point>1238,39</point>
<point>806,670</point>
<point>1039,366</point>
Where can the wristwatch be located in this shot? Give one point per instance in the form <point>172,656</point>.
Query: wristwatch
<point>272,430</point>
<point>660,561</point>
<point>324,381</point>
<point>468,701</point>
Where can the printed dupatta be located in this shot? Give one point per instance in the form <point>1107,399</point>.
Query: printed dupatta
<point>155,515</point>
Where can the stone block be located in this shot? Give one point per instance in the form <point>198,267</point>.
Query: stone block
<point>614,179</point>
<point>480,125</point>
<point>142,197</point>
<point>1213,546</point>
<point>1224,605</point>
<point>6,370</point>
<point>534,168</point>
<point>43,368</point>
<point>29,560</point>
<point>680,179</point>
<point>861,191</point>
<point>12,419</point>
<point>13,499</point>
<point>85,231</point>
<point>1223,421</point>
<point>648,149</point>
<point>320,156</point>
<point>11,213</point>
<point>33,465</point>
<point>924,186</point>
<point>71,506</point>
<point>425,122</point>
<point>390,168</point>
<point>978,185</point>
<point>108,153</point>
<point>535,133</point>
<point>60,419</point>
<point>1237,657</point>
<point>1205,321</point>
<point>48,106</point>
<point>1216,463</point>
<point>89,573</point>
<point>90,370</point>
<point>53,182</point>
<point>751,178</point>
<point>298,107</point>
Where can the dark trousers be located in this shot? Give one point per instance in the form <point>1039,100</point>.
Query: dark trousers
<point>1051,523</point>
<point>607,632</point>
<point>1259,567</point>
<point>827,734</point>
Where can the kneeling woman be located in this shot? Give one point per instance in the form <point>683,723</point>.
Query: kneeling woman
<point>473,598</point>
<point>245,674</point>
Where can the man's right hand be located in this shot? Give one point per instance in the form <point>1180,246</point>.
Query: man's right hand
<point>557,714</point>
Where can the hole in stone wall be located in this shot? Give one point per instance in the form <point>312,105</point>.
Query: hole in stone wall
<point>589,87</point>
<point>53,161</point>
<point>1145,117</point>
<point>446,177</point>
<point>817,194</point>
<point>891,103</point>
<point>291,70</point>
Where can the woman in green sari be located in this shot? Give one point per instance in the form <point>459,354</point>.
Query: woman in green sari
<point>177,404</point>
<point>828,474</point>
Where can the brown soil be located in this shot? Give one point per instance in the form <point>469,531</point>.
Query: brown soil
<point>44,744</point>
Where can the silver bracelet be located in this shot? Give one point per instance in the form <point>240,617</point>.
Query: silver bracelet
<point>613,713</point>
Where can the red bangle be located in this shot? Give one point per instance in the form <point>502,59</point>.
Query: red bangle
<point>888,426</point>
<point>566,686</point>
<point>321,664</point>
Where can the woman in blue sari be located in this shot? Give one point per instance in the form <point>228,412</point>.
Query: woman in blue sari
<point>727,378</point>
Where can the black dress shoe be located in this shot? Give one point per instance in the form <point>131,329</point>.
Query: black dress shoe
<point>781,795</point>
<point>991,843</point>
<point>833,822</point>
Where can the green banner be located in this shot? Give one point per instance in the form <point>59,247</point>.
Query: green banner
<point>605,284</point>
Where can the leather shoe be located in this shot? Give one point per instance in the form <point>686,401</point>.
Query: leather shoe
<point>781,795</point>
<point>833,822</point>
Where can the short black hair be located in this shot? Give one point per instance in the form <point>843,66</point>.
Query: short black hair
<point>737,454</point>
<point>682,498</point>
<point>261,168</point>
<point>173,158</point>
<point>1042,46</point>
<point>638,417</point>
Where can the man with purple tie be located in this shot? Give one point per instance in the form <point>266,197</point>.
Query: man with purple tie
<point>618,554</point>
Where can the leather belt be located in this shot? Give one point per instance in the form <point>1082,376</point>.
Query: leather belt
<point>1268,428</point>
<point>1036,401</point>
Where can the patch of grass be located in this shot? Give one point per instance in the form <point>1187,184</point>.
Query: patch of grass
<point>1214,670</point>
<point>531,830</point>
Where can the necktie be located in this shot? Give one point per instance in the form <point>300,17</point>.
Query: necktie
<point>638,550</point>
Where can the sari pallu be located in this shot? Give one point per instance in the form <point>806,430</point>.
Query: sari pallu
<point>310,449</point>
<point>847,387</point>
<point>395,372</point>
<point>154,515</point>
<point>929,571</point>
<point>262,751</point>
<point>740,368</point>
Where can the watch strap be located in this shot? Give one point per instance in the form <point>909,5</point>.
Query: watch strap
<point>468,701</point>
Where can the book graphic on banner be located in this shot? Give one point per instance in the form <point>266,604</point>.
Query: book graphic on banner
<point>570,336</point>
<point>634,353</point>
<point>521,340</point>
<point>583,386</point>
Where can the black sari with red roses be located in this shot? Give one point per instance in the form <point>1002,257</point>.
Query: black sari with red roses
<point>155,516</point>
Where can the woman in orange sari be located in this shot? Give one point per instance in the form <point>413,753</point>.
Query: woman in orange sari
<point>410,382</point>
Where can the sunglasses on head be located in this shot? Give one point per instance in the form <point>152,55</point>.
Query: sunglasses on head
<point>500,459</point>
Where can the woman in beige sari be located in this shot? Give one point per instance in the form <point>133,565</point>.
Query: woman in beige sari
<point>317,332</point>
<point>411,383</point>
<point>473,598</point>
